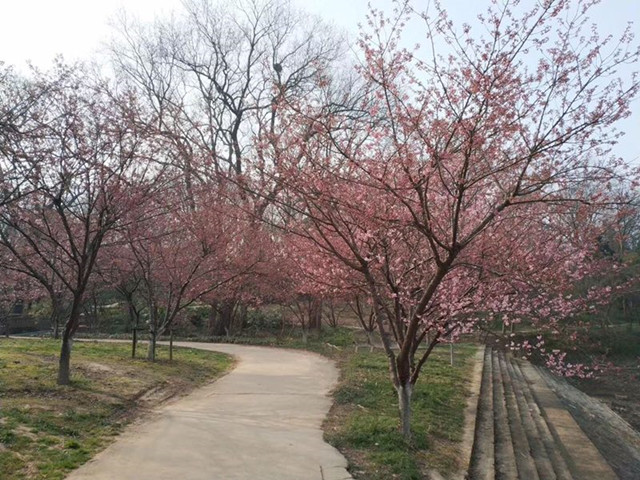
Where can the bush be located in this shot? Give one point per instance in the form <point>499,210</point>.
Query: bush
<point>262,320</point>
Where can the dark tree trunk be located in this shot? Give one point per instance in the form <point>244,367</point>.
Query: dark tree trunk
<point>366,319</point>
<point>213,319</point>
<point>132,317</point>
<point>64,366</point>
<point>333,315</point>
<point>224,319</point>
<point>315,314</point>
<point>64,370</point>
<point>153,332</point>
<point>238,318</point>
<point>151,349</point>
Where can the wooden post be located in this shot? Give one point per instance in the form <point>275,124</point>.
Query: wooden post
<point>135,341</point>
<point>170,345</point>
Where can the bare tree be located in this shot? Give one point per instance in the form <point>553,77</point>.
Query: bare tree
<point>215,78</point>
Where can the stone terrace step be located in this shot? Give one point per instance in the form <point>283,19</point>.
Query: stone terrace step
<point>612,435</point>
<point>505,457</point>
<point>483,446</point>
<point>549,460</point>
<point>523,453</point>
<point>583,458</point>
<point>524,433</point>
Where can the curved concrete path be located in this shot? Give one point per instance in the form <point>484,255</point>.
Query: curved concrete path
<point>261,421</point>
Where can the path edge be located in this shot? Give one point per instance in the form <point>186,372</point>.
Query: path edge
<point>470,415</point>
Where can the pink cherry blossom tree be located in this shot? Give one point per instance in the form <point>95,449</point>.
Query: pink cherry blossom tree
<point>447,195</point>
<point>80,151</point>
<point>184,249</point>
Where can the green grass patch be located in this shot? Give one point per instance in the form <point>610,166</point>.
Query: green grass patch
<point>364,422</point>
<point>47,430</point>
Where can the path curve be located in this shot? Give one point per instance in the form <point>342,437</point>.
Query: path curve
<point>260,421</point>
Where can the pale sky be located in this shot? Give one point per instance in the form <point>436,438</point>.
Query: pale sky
<point>37,30</point>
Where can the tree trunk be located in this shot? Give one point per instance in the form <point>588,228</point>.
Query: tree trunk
<point>315,314</point>
<point>404,402</point>
<point>238,319</point>
<point>213,319</point>
<point>151,349</point>
<point>64,369</point>
<point>332,314</point>
<point>132,317</point>
<point>153,330</point>
<point>367,320</point>
<point>224,319</point>
<point>370,337</point>
<point>241,321</point>
<point>64,365</point>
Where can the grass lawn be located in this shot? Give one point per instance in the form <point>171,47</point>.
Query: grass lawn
<point>47,430</point>
<point>364,423</point>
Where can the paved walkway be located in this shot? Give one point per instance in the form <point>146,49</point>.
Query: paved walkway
<point>261,421</point>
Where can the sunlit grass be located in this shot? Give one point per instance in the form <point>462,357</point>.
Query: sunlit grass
<point>364,423</point>
<point>47,430</point>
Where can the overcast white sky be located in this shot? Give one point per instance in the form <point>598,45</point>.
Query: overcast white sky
<point>37,30</point>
